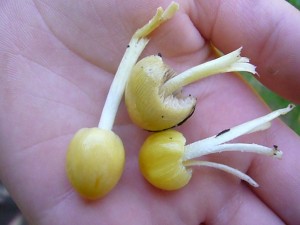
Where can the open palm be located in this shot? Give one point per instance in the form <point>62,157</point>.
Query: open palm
<point>57,60</point>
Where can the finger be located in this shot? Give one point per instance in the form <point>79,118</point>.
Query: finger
<point>280,181</point>
<point>268,32</point>
<point>227,103</point>
<point>242,207</point>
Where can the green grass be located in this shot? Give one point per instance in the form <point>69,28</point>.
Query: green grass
<point>296,3</point>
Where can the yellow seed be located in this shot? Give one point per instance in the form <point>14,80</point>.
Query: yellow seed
<point>95,161</point>
<point>146,102</point>
<point>160,160</point>
<point>153,92</point>
<point>165,160</point>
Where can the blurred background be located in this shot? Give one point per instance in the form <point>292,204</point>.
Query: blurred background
<point>10,214</point>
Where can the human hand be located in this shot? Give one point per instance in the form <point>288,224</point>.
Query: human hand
<point>57,60</point>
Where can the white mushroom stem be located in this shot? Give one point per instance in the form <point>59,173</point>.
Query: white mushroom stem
<point>135,47</point>
<point>225,168</point>
<point>227,63</point>
<point>216,144</point>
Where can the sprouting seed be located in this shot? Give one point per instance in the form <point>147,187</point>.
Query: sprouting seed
<point>154,89</point>
<point>166,162</point>
<point>95,157</point>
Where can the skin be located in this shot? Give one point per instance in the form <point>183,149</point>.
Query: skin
<point>57,60</point>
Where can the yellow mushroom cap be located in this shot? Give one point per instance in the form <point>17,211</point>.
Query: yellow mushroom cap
<point>95,161</point>
<point>147,105</point>
<point>160,160</point>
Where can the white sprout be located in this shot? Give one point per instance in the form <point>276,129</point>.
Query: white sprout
<point>217,143</point>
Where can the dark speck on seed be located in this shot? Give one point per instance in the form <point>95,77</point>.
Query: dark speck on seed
<point>222,132</point>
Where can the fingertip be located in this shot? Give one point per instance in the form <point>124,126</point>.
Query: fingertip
<point>269,34</point>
